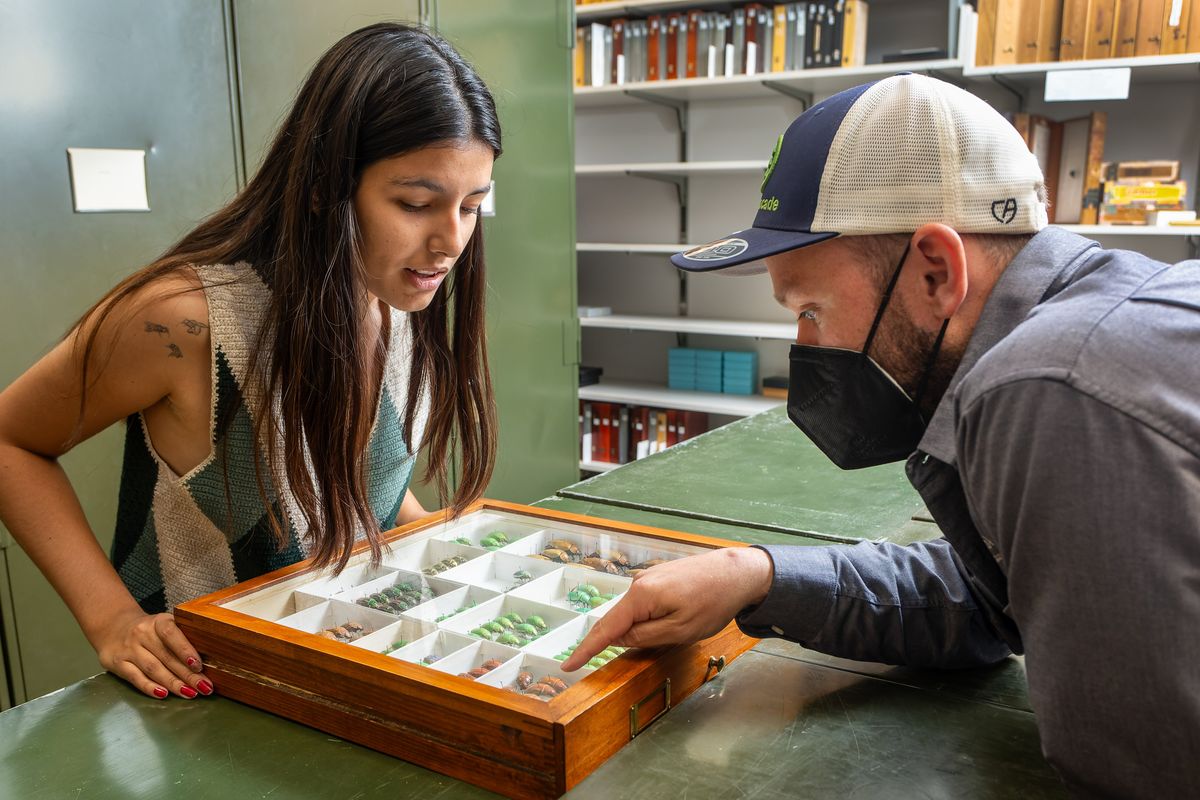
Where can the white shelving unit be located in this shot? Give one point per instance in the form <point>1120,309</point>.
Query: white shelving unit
<point>630,247</point>
<point>592,11</point>
<point>1175,67</point>
<point>649,394</point>
<point>597,466</point>
<point>714,327</point>
<point>671,168</point>
<point>802,84</point>
<point>700,134</point>
<point>1132,230</point>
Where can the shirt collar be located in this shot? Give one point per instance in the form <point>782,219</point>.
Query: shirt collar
<point>1043,267</point>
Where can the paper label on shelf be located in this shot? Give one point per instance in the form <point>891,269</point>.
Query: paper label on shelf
<point>751,57</point>
<point>1176,13</point>
<point>1088,84</point>
<point>105,179</point>
<point>712,61</point>
<point>620,69</point>
<point>728,61</point>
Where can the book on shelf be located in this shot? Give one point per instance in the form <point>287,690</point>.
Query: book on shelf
<point>985,33</point>
<point>1008,19</point>
<point>1101,28</point>
<point>752,38</point>
<point>1038,31</point>
<point>618,433</point>
<point>854,33</point>
<point>1150,26</point>
<point>1125,28</point>
<point>1176,19</point>
<point>1070,155</point>
<point>1193,30</point>
<point>1028,25</point>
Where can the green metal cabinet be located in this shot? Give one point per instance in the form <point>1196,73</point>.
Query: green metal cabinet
<point>75,73</point>
<point>279,41</point>
<point>523,50</point>
<point>201,85</point>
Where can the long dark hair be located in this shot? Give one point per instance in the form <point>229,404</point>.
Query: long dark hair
<point>381,91</point>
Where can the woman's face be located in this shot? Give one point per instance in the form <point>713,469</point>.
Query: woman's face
<point>416,213</point>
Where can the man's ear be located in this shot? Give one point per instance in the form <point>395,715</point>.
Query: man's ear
<point>941,273</point>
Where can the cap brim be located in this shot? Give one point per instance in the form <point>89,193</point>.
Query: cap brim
<point>741,253</point>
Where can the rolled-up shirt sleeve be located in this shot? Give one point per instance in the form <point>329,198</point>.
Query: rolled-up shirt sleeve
<point>879,602</point>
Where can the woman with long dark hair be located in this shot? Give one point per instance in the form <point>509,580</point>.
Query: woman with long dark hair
<point>281,366</point>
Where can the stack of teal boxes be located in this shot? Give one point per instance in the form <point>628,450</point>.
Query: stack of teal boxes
<point>739,372</point>
<point>681,368</point>
<point>712,370</point>
<point>708,370</point>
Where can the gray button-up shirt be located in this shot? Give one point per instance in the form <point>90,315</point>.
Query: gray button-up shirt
<point>1063,468</point>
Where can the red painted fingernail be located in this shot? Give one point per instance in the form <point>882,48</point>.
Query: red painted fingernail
<point>160,692</point>
<point>191,662</point>
<point>205,687</point>
<point>187,692</point>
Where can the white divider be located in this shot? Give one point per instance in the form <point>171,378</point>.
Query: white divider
<point>490,612</point>
<point>558,588</point>
<point>437,645</point>
<point>474,656</point>
<point>327,585</point>
<point>500,572</point>
<point>535,668</point>
<point>335,613</point>
<point>559,639</point>
<point>274,605</point>
<point>477,527</point>
<point>427,554</point>
<point>447,604</point>
<point>571,547</point>
<point>395,636</point>
<point>407,582</point>
<point>556,645</point>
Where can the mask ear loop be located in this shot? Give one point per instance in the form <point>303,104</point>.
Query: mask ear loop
<point>887,295</point>
<point>937,345</point>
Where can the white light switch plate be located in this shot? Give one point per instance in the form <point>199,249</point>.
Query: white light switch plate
<point>105,179</point>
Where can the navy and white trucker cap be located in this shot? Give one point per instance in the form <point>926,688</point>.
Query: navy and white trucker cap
<point>885,157</point>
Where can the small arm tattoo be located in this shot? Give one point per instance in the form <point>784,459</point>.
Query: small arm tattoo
<point>174,351</point>
<point>154,327</point>
<point>193,327</point>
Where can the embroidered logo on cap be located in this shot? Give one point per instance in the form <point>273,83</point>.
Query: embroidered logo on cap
<point>718,251</point>
<point>1004,211</point>
<point>771,164</point>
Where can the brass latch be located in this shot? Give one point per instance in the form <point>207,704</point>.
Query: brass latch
<point>715,665</point>
<point>663,691</point>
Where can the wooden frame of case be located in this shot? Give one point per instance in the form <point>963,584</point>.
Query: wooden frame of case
<point>515,745</point>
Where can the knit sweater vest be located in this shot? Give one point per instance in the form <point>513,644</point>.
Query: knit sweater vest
<point>182,536</point>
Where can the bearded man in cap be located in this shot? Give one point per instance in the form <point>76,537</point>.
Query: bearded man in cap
<point>1046,395</point>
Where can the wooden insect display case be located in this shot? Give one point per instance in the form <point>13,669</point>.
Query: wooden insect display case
<point>447,653</point>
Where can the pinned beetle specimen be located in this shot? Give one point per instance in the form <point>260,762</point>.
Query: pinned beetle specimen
<point>346,632</point>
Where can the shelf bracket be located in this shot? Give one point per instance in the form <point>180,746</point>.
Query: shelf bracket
<point>804,97</point>
<point>678,106</point>
<point>1194,245</point>
<point>1016,92</point>
<point>679,181</point>
<point>948,78</point>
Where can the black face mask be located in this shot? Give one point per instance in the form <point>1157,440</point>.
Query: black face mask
<point>849,406</point>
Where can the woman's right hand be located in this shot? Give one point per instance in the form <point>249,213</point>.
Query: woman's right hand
<point>150,652</point>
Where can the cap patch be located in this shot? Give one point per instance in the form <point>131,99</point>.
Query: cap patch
<point>718,251</point>
<point>771,164</point>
